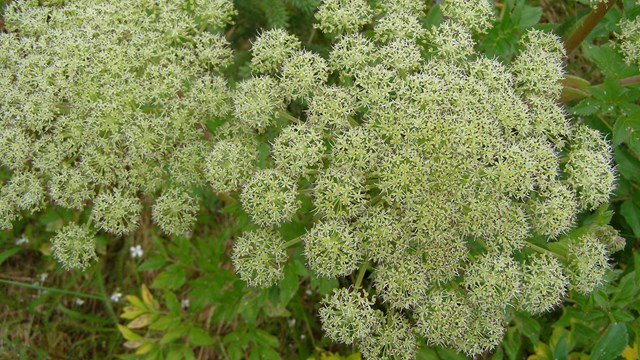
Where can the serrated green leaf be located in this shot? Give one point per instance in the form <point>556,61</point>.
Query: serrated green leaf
<point>528,326</point>
<point>164,323</point>
<point>153,263</point>
<point>587,106</point>
<point>289,285</point>
<point>628,165</point>
<point>561,351</point>
<point>171,300</point>
<point>609,60</point>
<point>631,213</point>
<point>174,334</point>
<point>199,337</point>
<point>611,344</point>
<point>627,130</point>
<point>170,279</point>
<point>512,343</point>
<point>264,338</point>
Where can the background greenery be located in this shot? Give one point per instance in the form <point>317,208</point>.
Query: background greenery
<point>181,298</point>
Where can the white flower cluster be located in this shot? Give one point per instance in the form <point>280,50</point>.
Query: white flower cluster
<point>629,38</point>
<point>103,102</point>
<point>430,167</point>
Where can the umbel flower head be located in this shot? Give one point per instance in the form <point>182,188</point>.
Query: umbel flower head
<point>429,173</point>
<point>102,105</point>
<point>258,257</point>
<point>74,247</point>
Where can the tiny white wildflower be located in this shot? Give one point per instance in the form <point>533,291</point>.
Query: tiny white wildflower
<point>22,240</point>
<point>42,277</point>
<point>136,251</point>
<point>115,297</point>
<point>185,303</point>
<point>79,302</point>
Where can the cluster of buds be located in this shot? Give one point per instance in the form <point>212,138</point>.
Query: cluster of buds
<point>102,104</point>
<point>433,171</point>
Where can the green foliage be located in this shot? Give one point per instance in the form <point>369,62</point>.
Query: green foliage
<point>398,177</point>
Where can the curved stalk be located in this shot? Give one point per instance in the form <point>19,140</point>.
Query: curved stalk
<point>587,26</point>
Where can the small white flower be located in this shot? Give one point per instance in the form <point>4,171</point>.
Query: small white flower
<point>184,303</point>
<point>79,302</point>
<point>42,277</point>
<point>115,297</point>
<point>292,322</point>
<point>22,240</point>
<point>136,251</point>
<point>308,292</point>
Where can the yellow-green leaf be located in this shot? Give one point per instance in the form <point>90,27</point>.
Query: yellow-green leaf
<point>127,333</point>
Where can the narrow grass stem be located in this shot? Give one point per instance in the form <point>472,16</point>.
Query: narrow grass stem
<point>53,290</point>
<point>103,291</point>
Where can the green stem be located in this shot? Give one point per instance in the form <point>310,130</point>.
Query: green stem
<point>605,122</point>
<point>106,299</point>
<point>587,26</point>
<point>306,191</point>
<point>363,270</point>
<point>542,250</point>
<point>292,242</point>
<point>285,115</point>
<point>376,200</point>
<point>53,290</point>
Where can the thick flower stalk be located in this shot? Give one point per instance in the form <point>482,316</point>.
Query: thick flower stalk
<point>102,105</point>
<point>434,172</point>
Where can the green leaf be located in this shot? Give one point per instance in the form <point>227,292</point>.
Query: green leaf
<point>288,285</point>
<point>627,130</point>
<point>448,354</point>
<point>609,60</point>
<point>525,16</point>
<point>561,351</point>
<point>172,303</point>
<point>153,263</point>
<point>164,323</point>
<point>512,343</point>
<point>128,334</point>
<point>324,285</point>
<point>529,327</point>
<point>628,165</point>
<point>631,213</point>
<point>174,334</point>
<point>611,344</point>
<point>174,354</point>
<point>170,279</point>
<point>8,253</point>
<point>263,338</point>
<point>587,106</point>
<point>199,337</point>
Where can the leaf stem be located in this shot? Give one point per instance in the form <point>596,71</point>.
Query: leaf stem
<point>541,250</point>
<point>285,115</point>
<point>292,242</point>
<point>363,270</point>
<point>587,25</point>
<point>633,80</point>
